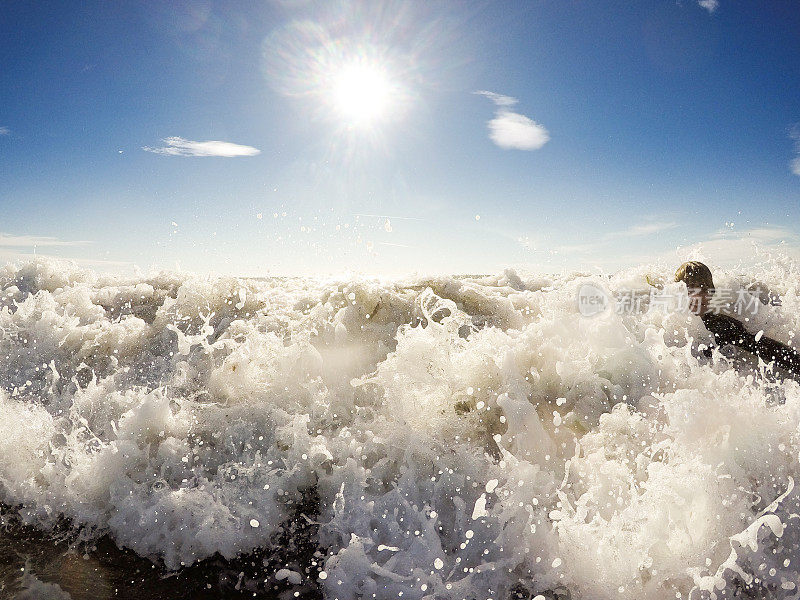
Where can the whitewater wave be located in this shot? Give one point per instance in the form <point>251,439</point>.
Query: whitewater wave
<point>462,437</point>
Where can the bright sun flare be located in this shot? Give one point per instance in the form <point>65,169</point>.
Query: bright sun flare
<point>361,94</point>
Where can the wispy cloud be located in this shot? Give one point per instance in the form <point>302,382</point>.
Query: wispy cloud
<point>511,130</point>
<point>588,248</point>
<point>641,230</point>
<point>388,217</point>
<point>10,256</point>
<point>727,248</point>
<point>794,133</point>
<point>5,130</point>
<point>30,241</point>
<point>766,234</point>
<point>603,242</point>
<point>177,146</point>
<point>709,5</point>
<point>498,99</point>
<point>394,245</point>
<point>24,248</point>
<point>603,249</point>
<point>745,247</point>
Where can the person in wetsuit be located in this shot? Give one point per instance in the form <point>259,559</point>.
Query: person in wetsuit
<point>727,330</point>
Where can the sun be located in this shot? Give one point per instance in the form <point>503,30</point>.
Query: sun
<point>362,93</point>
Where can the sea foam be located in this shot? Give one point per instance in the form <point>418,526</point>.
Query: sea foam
<point>463,436</point>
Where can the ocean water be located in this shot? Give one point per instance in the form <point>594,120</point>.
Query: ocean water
<point>430,437</point>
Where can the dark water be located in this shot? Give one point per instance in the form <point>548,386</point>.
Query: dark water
<point>101,570</point>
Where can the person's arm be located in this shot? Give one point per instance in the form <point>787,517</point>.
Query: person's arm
<point>784,356</point>
<point>728,330</point>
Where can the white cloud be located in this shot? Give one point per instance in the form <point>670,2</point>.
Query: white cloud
<point>515,131</point>
<point>5,131</point>
<point>30,241</point>
<point>177,146</point>
<point>709,5</point>
<point>511,130</point>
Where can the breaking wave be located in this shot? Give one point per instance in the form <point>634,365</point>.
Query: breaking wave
<point>461,436</point>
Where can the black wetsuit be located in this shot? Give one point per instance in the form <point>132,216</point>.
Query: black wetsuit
<point>728,330</point>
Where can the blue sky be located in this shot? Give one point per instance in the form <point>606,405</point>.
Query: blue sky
<point>613,133</point>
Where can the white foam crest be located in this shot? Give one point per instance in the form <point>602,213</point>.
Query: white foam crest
<point>461,435</point>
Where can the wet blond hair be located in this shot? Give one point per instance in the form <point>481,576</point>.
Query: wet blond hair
<point>695,275</point>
